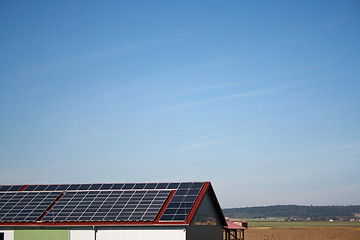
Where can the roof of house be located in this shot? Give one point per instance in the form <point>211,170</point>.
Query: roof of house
<point>102,204</point>
<point>234,226</point>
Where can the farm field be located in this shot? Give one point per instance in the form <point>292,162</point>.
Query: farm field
<point>303,230</point>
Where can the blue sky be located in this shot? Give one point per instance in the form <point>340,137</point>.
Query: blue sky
<point>259,97</point>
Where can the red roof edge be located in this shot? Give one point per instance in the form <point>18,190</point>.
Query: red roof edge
<point>233,226</point>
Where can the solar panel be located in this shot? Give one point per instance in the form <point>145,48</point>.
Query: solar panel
<point>52,187</point>
<point>24,206</point>
<point>118,205</point>
<point>117,186</point>
<point>62,187</point>
<point>106,186</point>
<point>139,185</point>
<point>31,187</point>
<point>162,186</point>
<point>73,187</point>
<point>8,188</point>
<point>100,186</point>
<point>128,186</point>
<point>182,201</point>
<point>41,187</point>
<point>84,187</point>
<point>173,186</point>
<point>151,186</point>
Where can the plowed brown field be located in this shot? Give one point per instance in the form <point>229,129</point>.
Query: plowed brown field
<point>303,233</point>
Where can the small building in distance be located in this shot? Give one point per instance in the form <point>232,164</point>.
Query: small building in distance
<point>137,211</point>
<point>235,230</point>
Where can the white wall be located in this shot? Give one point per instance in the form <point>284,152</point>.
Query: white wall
<point>81,235</point>
<point>8,234</point>
<point>132,234</point>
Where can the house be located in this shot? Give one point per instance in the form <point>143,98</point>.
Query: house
<point>176,211</point>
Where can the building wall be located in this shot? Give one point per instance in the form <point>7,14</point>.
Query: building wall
<point>206,223</point>
<point>141,234</point>
<point>41,234</point>
<point>101,234</point>
<point>8,234</point>
<point>82,234</point>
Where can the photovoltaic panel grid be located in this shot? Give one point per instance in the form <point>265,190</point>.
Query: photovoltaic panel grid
<point>9,188</point>
<point>98,202</point>
<point>182,202</point>
<point>139,205</point>
<point>100,186</point>
<point>25,206</point>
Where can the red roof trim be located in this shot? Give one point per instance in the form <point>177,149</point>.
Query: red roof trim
<point>197,202</point>
<point>233,226</point>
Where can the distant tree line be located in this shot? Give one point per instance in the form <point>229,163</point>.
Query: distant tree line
<point>294,211</point>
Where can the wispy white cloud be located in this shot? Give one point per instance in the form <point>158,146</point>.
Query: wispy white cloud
<point>341,146</point>
<point>346,151</point>
<point>203,144</point>
<point>212,87</point>
<point>301,71</point>
<point>210,140</point>
<point>91,56</point>
<point>249,81</point>
<point>207,66</point>
<point>217,99</point>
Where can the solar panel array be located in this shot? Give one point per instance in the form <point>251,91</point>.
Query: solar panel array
<point>106,186</point>
<point>9,188</point>
<point>25,206</point>
<point>182,202</point>
<point>108,206</point>
<point>97,202</point>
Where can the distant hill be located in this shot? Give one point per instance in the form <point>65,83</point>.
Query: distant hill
<point>294,211</point>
